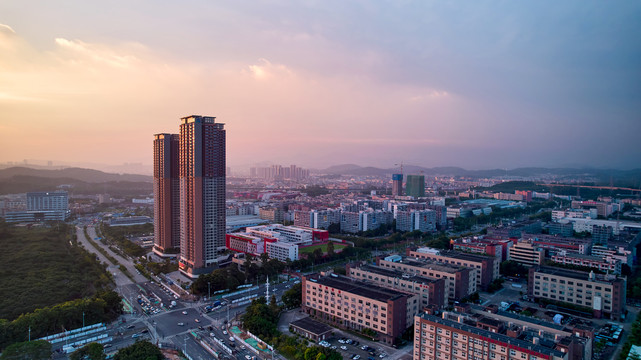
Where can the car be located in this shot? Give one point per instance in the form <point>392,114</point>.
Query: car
<point>131,326</point>
<point>197,320</point>
<point>248,357</point>
<point>135,336</point>
<point>364,347</point>
<point>333,347</point>
<point>343,347</point>
<point>184,312</point>
<point>144,331</point>
<point>382,355</point>
<point>341,341</point>
<point>242,347</point>
<point>370,358</point>
<point>181,324</point>
<point>356,357</point>
<point>224,332</point>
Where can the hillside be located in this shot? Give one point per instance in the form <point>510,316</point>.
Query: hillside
<point>85,175</point>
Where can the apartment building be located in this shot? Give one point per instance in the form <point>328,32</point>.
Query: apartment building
<point>526,253</point>
<point>459,337</point>
<point>351,304</point>
<point>606,264</point>
<point>431,291</point>
<point>460,281</point>
<point>487,266</point>
<point>604,294</point>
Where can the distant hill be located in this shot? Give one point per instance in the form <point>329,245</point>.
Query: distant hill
<point>85,175</point>
<point>82,181</point>
<point>626,178</point>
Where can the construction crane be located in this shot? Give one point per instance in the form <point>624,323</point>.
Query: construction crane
<point>401,164</point>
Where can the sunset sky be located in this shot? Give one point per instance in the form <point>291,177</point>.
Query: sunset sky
<point>477,84</point>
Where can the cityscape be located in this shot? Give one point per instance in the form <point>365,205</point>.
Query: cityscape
<point>318,181</point>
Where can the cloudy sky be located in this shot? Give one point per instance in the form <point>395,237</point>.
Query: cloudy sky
<point>482,84</point>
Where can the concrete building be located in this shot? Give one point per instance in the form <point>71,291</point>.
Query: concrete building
<point>603,263</point>
<point>272,214</point>
<point>460,281</point>
<point>322,219</point>
<point>604,294</point>
<point>527,253</point>
<point>355,305</point>
<point>415,186</point>
<point>487,266</point>
<point>422,220</point>
<point>42,206</point>
<point>397,185</point>
<point>166,193</point>
<point>460,337</point>
<point>311,329</point>
<point>202,159</point>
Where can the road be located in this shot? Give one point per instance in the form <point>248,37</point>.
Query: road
<point>127,263</point>
<point>119,277</point>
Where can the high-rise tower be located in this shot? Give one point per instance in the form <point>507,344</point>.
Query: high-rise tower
<point>397,184</point>
<point>202,193</point>
<point>415,186</point>
<point>166,194</point>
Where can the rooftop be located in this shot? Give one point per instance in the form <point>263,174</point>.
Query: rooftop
<point>359,288</point>
<point>394,273</point>
<point>431,265</point>
<point>579,275</point>
<point>312,326</point>
<point>494,336</point>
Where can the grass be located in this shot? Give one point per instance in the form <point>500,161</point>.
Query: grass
<point>323,247</point>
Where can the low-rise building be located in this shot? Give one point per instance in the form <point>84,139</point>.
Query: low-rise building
<point>460,281</point>
<point>604,294</point>
<point>459,337</point>
<point>432,291</point>
<point>603,263</point>
<point>526,253</point>
<point>487,266</point>
<point>355,305</point>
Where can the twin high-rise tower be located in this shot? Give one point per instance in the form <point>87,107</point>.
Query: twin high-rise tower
<point>189,191</point>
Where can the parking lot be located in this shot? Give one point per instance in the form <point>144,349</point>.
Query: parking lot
<point>352,348</point>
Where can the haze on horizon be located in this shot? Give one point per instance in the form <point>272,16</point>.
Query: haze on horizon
<point>487,84</point>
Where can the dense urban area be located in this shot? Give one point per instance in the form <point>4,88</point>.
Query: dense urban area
<point>322,264</point>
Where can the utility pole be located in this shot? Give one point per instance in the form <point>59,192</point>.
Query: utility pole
<point>83,319</point>
<point>208,290</point>
<point>29,333</point>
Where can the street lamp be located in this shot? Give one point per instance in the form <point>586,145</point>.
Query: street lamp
<point>208,290</point>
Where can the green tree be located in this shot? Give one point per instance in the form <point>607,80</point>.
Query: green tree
<point>91,351</point>
<point>292,298</point>
<point>321,356</point>
<point>311,353</point>
<point>139,350</point>
<point>330,248</point>
<point>28,350</point>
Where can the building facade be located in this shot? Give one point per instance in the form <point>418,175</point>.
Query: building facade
<point>462,338</point>
<point>166,193</point>
<point>604,294</point>
<point>415,186</point>
<point>202,159</point>
<point>397,184</point>
<point>356,305</point>
<point>487,266</point>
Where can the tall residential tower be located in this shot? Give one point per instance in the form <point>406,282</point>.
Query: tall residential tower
<point>166,194</point>
<point>202,193</point>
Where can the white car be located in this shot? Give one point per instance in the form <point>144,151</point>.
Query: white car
<point>185,312</point>
<point>343,347</point>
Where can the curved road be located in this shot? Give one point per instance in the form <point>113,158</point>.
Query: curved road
<point>119,278</point>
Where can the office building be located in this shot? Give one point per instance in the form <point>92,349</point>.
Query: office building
<point>431,291</point>
<point>202,193</point>
<point>487,266</point>
<point>42,206</point>
<point>460,281</point>
<point>166,193</point>
<point>355,305</point>
<point>455,336</point>
<point>602,294</point>
<point>397,184</point>
<point>527,253</point>
<point>415,186</point>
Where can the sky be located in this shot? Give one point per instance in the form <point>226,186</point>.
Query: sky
<point>482,84</point>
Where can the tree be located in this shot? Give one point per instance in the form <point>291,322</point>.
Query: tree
<point>28,350</point>
<point>292,298</point>
<point>321,356</point>
<point>273,306</point>
<point>91,351</point>
<point>311,353</point>
<point>139,350</point>
<point>330,248</point>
